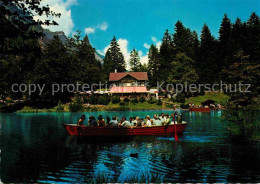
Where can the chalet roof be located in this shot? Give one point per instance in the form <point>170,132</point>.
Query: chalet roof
<point>120,75</point>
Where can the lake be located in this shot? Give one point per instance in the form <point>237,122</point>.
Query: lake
<point>36,148</point>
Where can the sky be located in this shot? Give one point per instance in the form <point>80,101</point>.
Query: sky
<point>140,23</point>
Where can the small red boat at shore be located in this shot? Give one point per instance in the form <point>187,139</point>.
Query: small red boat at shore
<point>76,130</point>
<point>199,109</point>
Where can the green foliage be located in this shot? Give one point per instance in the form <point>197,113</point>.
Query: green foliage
<point>76,105</point>
<point>242,123</point>
<point>93,99</point>
<point>134,101</point>
<point>126,100</point>
<point>114,59</point>
<point>180,98</point>
<point>135,61</point>
<point>60,107</point>
<point>159,102</point>
<point>141,99</point>
<point>153,65</point>
<point>184,106</point>
<point>104,100</point>
<point>115,99</point>
<point>121,103</point>
<point>151,100</point>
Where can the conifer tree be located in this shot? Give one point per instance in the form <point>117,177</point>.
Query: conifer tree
<point>54,68</point>
<point>225,50</point>
<point>208,70</point>
<point>135,61</point>
<point>153,65</point>
<point>182,40</point>
<point>114,59</point>
<point>166,51</point>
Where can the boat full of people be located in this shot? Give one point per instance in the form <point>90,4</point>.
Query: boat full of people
<point>157,125</point>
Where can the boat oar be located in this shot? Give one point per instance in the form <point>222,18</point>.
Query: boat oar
<point>175,135</point>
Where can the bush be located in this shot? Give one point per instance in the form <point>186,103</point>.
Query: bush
<point>134,101</point>
<point>151,100</point>
<point>126,100</point>
<point>184,106</point>
<point>180,98</point>
<point>115,100</point>
<point>142,99</point>
<point>121,103</point>
<point>76,105</point>
<point>60,107</point>
<point>159,102</point>
<point>104,100</point>
<point>93,100</point>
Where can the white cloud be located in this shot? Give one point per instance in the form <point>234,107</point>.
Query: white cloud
<point>144,59</point>
<point>154,39</point>
<point>89,30</point>
<point>158,44</point>
<point>103,26</point>
<point>146,46</point>
<point>64,8</point>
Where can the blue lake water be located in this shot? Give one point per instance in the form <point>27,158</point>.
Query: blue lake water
<point>36,148</point>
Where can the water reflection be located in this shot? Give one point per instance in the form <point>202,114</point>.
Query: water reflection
<point>36,148</point>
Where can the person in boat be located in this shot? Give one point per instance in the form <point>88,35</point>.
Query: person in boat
<point>176,114</point>
<point>108,120</point>
<point>114,122</point>
<point>140,122</point>
<point>124,123</point>
<point>92,121</point>
<point>167,119</point>
<point>148,122</point>
<point>156,120</point>
<point>162,118</point>
<point>101,122</point>
<point>81,120</point>
<point>135,121</point>
<point>131,120</point>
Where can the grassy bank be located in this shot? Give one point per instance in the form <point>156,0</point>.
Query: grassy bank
<point>219,98</point>
<point>109,107</point>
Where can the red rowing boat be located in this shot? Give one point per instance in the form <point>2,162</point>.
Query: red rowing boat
<point>200,109</point>
<point>74,129</point>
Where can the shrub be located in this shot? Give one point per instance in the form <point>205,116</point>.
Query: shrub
<point>142,99</point>
<point>115,100</point>
<point>151,100</point>
<point>134,101</point>
<point>60,107</point>
<point>126,100</point>
<point>180,98</point>
<point>93,100</point>
<point>76,105</point>
<point>184,106</point>
<point>159,102</point>
<point>104,100</point>
<point>122,103</point>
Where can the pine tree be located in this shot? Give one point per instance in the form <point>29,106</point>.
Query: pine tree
<point>182,40</point>
<point>166,51</point>
<point>114,59</point>
<point>153,65</point>
<point>252,46</point>
<point>54,68</point>
<point>135,61</point>
<point>183,71</point>
<point>208,71</point>
<point>225,49</point>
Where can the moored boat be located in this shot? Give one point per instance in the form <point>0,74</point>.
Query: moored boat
<point>76,130</point>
